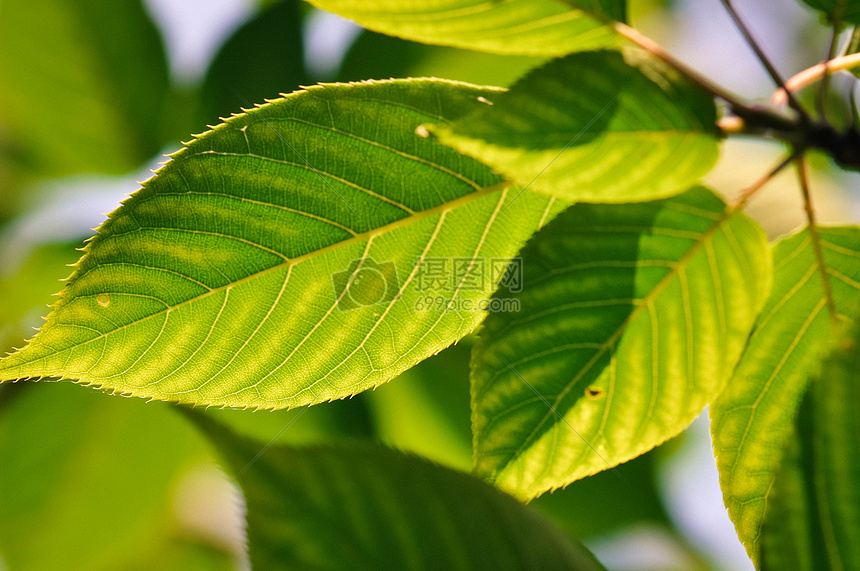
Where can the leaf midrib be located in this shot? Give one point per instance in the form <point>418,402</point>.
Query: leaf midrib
<point>446,207</point>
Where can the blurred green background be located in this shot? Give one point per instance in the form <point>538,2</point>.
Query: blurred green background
<point>94,92</point>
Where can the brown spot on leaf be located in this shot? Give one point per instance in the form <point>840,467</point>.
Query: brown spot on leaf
<point>594,393</point>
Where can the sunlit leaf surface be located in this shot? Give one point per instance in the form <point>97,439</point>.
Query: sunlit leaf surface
<point>595,127</point>
<point>631,319</point>
<point>284,258</point>
<point>813,510</point>
<point>514,27</point>
<point>751,420</point>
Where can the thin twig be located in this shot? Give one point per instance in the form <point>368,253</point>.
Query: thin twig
<point>748,192</point>
<point>760,116</point>
<point>813,74</point>
<point>765,61</point>
<point>816,242</point>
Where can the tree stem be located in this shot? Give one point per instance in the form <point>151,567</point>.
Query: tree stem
<point>748,192</point>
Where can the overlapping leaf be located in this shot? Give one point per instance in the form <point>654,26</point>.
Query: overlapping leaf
<point>515,27</point>
<point>843,10</point>
<point>631,319</point>
<point>751,419</point>
<point>277,260</point>
<point>82,84</point>
<point>367,507</point>
<point>595,127</point>
<point>813,510</point>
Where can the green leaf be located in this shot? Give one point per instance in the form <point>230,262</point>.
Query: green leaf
<point>277,260</point>
<point>842,10</point>
<point>83,89</point>
<point>513,27</point>
<point>361,506</point>
<point>595,127</point>
<point>751,419</point>
<point>246,68</point>
<point>89,481</point>
<point>631,319</point>
<point>813,511</point>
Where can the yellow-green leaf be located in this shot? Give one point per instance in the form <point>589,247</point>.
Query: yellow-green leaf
<point>631,319</point>
<point>279,259</point>
<point>514,27</point>
<point>751,419</point>
<point>595,127</point>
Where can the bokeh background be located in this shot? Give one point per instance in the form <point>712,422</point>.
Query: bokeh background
<point>94,93</point>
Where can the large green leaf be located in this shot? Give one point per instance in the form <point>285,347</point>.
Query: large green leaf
<point>82,84</point>
<point>361,506</point>
<point>595,127</point>
<point>813,511</point>
<point>514,27</point>
<point>283,258</point>
<point>844,10</point>
<point>631,319</point>
<point>751,419</point>
<point>88,483</point>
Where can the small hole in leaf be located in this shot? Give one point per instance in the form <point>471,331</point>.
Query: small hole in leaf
<point>103,299</point>
<point>594,392</point>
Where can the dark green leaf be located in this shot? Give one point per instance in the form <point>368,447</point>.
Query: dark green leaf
<point>263,59</point>
<point>838,10</point>
<point>426,409</point>
<point>366,507</point>
<point>377,55</point>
